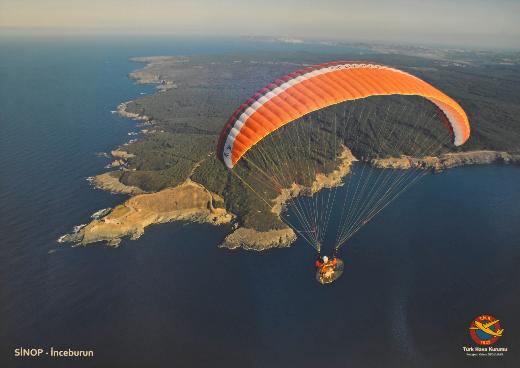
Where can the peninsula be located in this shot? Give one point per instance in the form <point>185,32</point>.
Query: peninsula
<point>171,172</point>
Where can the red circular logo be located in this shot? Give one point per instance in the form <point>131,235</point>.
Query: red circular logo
<point>485,330</point>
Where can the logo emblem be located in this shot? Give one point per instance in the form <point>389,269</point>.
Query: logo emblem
<point>485,330</point>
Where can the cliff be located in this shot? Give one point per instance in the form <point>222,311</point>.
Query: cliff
<point>448,160</point>
<point>322,181</point>
<point>251,239</point>
<point>110,182</point>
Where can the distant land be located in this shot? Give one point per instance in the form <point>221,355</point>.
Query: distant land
<point>170,171</point>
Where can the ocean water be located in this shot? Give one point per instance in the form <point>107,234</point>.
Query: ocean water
<point>445,252</point>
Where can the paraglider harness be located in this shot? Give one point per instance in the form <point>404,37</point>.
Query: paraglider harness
<point>326,268</point>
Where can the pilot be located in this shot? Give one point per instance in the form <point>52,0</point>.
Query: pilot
<point>321,261</point>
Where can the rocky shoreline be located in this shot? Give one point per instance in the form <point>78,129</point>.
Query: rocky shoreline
<point>251,239</point>
<point>131,218</point>
<point>191,201</point>
<point>322,181</point>
<point>447,160</point>
<point>110,182</point>
<point>123,112</point>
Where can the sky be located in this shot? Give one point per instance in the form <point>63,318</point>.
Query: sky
<point>485,23</point>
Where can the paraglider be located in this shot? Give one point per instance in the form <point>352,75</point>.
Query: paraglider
<point>259,130</point>
<point>320,86</point>
<point>328,270</point>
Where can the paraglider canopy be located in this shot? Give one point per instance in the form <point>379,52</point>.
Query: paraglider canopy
<point>330,146</point>
<point>328,270</point>
<point>322,85</point>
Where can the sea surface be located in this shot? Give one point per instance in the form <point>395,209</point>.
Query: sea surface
<point>446,251</point>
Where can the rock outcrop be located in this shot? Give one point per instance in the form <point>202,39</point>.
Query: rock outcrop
<point>251,239</point>
<point>322,181</point>
<point>110,182</point>
<point>122,111</point>
<point>447,160</point>
<point>119,153</point>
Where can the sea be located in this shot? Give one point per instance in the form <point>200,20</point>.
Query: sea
<point>415,277</point>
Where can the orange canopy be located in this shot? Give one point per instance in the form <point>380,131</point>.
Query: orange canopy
<point>319,86</point>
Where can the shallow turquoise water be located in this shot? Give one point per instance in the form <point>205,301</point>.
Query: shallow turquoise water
<point>414,278</point>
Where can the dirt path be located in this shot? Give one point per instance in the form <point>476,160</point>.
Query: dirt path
<point>198,164</point>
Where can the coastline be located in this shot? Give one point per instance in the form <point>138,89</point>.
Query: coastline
<point>251,239</point>
<point>447,160</point>
<point>150,73</point>
<point>191,201</point>
<point>322,181</point>
<point>130,218</point>
<point>110,182</point>
<point>123,112</point>
<point>188,201</point>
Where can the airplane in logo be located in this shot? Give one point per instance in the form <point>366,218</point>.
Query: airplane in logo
<point>485,327</point>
